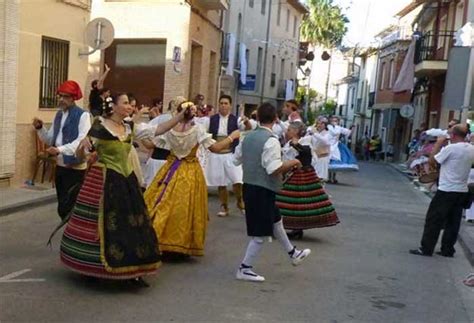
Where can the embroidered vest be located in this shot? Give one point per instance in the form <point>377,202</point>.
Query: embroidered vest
<point>70,131</point>
<point>232,125</point>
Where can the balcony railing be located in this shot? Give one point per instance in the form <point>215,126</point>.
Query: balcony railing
<point>434,46</point>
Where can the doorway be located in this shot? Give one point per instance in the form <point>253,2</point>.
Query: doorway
<point>137,67</point>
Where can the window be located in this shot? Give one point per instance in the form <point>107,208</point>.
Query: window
<point>258,77</point>
<point>392,74</point>
<point>287,19</point>
<point>279,13</point>
<point>251,3</point>
<point>382,77</point>
<point>54,70</point>
<point>292,72</point>
<point>295,22</point>
<point>282,69</point>
<point>273,75</point>
<point>264,6</point>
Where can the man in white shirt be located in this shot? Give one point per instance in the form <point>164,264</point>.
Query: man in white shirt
<point>71,124</point>
<point>219,169</point>
<point>445,210</point>
<point>260,155</point>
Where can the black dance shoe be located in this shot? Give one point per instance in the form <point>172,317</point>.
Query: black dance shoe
<point>419,252</point>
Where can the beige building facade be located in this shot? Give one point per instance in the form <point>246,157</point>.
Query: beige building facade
<point>268,31</point>
<point>38,57</point>
<point>162,48</point>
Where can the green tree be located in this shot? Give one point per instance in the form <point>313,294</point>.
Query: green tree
<point>325,25</point>
<point>301,94</point>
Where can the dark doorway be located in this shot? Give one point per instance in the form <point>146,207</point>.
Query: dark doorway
<point>138,67</point>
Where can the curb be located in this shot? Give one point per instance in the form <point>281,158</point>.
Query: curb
<point>463,238</point>
<point>35,202</point>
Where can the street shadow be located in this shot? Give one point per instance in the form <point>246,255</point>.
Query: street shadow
<point>307,238</point>
<point>340,185</point>
<point>106,286</point>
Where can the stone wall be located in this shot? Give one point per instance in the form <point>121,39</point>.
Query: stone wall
<point>9,23</point>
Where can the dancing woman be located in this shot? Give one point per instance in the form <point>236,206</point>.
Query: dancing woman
<point>342,158</point>
<point>109,234</point>
<point>177,197</point>
<point>322,148</point>
<point>303,203</point>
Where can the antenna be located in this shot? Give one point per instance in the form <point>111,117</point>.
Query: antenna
<point>99,35</point>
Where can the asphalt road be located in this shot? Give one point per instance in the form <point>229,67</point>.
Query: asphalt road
<point>359,271</point>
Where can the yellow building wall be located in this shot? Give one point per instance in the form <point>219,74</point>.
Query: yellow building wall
<point>150,20</point>
<point>174,21</point>
<point>209,37</point>
<point>53,19</point>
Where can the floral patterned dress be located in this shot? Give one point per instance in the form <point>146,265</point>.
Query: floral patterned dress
<point>109,234</point>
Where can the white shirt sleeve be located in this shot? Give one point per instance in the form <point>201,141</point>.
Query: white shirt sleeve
<point>46,135</point>
<point>345,131</point>
<point>320,140</point>
<point>443,155</point>
<point>84,127</point>
<point>288,152</point>
<point>271,155</point>
<point>145,131</point>
<point>237,156</point>
<point>204,138</point>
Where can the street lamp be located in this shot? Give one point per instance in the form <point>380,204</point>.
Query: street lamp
<point>307,73</point>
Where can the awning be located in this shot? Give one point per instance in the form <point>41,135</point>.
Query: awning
<point>411,6</point>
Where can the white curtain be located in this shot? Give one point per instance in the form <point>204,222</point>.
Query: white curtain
<point>406,78</point>
<point>231,55</point>
<point>243,63</point>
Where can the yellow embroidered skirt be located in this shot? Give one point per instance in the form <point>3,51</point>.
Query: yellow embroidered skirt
<point>177,204</point>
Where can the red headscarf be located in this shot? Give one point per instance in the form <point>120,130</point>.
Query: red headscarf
<point>71,88</point>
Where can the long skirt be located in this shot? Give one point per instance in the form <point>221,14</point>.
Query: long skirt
<point>304,204</point>
<point>109,234</point>
<point>152,167</point>
<point>177,201</point>
<point>348,161</point>
<point>321,166</point>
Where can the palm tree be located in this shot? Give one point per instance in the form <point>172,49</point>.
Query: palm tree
<point>325,25</point>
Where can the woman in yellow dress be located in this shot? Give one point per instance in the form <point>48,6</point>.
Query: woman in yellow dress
<point>177,197</point>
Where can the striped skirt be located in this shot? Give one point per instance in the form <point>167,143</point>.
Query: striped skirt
<point>82,244</point>
<point>304,204</point>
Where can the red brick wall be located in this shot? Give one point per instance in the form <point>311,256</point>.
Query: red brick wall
<point>386,95</point>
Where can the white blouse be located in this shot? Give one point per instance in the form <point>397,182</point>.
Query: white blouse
<point>182,143</point>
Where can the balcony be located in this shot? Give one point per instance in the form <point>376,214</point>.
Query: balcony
<point>213,4</point>
<point>431,55</point>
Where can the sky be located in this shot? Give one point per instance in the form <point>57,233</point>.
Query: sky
<point>368,18</point>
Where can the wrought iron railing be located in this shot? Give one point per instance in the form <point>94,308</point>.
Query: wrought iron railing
<point>434,46</point>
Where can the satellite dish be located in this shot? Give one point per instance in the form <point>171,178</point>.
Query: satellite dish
<point>99,35</point>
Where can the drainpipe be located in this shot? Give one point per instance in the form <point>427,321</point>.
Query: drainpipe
<point>266,51</point>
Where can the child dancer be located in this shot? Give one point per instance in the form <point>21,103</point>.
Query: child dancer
<point>260,155</point>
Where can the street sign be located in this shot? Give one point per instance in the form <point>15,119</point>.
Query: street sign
<point>407,111</point>
<point>250,83</point>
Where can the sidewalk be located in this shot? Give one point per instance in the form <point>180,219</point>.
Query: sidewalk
<point>14,199</point>
<point>466,233</point>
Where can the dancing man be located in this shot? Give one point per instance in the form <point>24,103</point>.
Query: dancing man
<point>219,169</point>
<point>260,155</point>
<point>71,124</point>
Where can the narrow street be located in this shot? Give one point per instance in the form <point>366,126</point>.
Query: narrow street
<point>358,271</point>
